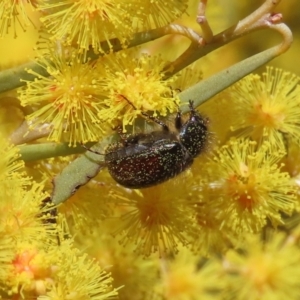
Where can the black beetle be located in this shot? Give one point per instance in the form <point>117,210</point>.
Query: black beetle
<point>147,159</point>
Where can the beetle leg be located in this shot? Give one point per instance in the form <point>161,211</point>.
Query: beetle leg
<point>178,120</point>
<point>126,139</point>
<point>156,120</point>
<point>123,136</point>
<point>192,108</point>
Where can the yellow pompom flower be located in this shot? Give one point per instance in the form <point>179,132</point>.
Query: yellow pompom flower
<point>158,13</point>
<point>14,13</point>
<point>67,101</point>
<point>249,186</point>
<point>132,85</point>
<point>267,107</point>
<point>22,212</point>
<point>183,279</point>
<point>11,167</point>
<point>77,276</point>
<point>87,23</point>
<point>55,272</point>
<point>21,198</point>
<point>210,235</point>
<point>155,219</point>
<point>23,227</point>
<point>7,254</point>
<point>262,270</point>
<point>136,275</point>
<point>30,270</point>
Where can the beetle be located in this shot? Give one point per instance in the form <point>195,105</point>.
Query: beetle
<point>147,159</point>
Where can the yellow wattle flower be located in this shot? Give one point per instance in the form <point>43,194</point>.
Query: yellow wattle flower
<point>14,14</point>
<point>155,219</point>
<point>248,186</point>
<point>262,269</point>
<point>131,85</point>
<point>67,101</point>
<point>85,23</point>
<point>266,107</point>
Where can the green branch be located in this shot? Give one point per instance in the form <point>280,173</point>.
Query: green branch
<point>47,150</point>
<point>208,88</point>
<point>11,78</point>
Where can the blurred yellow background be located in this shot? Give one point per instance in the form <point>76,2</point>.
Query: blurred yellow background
<point>221,14</point>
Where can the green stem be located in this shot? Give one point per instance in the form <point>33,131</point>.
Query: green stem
<point>11,78</point>
<point>206,89</point>
<point>47,150</point>
<point>259,19</point>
